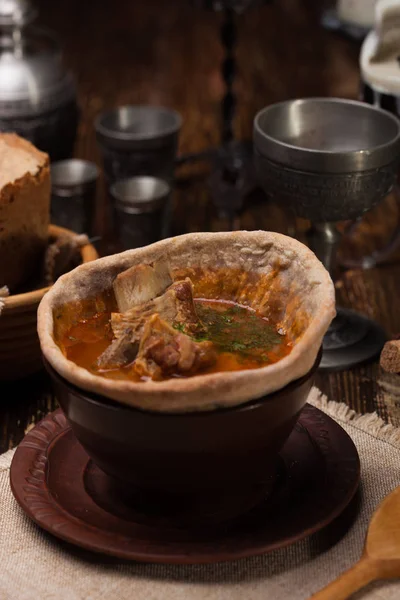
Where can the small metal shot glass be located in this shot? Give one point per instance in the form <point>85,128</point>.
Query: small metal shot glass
<point>141,210</point>
<point>73,194</point>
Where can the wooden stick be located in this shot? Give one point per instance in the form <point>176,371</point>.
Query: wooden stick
<point>350,582</point>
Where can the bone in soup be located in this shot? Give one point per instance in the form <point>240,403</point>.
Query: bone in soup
<point>152,326</point>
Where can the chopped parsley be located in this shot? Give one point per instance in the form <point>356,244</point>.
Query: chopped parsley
<point>234,328</point>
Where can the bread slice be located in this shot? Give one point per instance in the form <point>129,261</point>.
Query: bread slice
<point>140,284</point>
<point>24,209</point>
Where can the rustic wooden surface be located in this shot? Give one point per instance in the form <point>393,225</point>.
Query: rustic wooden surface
<point>169,53</point>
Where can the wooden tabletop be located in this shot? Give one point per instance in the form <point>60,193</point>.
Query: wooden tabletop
<point>169,53</point>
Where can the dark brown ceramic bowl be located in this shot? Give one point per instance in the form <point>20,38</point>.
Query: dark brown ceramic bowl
<point>213,465</point>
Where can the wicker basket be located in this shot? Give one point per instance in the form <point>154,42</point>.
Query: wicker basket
<point>20,353</point>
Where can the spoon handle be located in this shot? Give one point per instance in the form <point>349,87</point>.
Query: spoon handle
<point>357,577</point>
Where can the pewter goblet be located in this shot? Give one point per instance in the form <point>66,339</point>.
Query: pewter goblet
<point>327,160</point>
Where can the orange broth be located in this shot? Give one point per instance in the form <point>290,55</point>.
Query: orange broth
<point>243,339</point>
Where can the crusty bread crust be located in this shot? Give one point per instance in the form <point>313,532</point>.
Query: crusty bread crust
<point>305,288</point>
<point>24,217</point>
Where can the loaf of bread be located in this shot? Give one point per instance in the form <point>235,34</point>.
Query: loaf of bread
<point>390,356</point>
<point>24,209</point>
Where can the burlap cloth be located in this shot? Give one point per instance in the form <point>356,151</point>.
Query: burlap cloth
<point>36,566</point>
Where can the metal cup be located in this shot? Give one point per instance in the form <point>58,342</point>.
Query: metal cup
<point>141,207</point>
<point>73,194</point>
<point>328,160</point>
<point>138,140</point>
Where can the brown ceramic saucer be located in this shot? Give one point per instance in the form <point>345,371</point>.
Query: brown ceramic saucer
<point>60,488</point>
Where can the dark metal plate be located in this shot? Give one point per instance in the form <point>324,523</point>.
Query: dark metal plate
<point>358,341</point>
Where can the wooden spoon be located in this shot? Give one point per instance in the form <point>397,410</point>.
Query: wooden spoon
<point>381,556</point>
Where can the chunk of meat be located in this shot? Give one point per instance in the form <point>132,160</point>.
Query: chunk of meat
<point>120,353</point>
<point>164,351</point>
<point>186,316</point>
<point>141,283</point>
<point>176,307</point>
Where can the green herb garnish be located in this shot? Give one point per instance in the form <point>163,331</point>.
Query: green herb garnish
<point>236,329</point>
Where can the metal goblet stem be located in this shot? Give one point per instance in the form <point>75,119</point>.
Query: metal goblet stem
<point>351,337</point>
<point>324,239</point>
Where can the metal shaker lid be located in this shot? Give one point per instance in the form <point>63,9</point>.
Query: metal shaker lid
<point>16,13</point>
<point>380,52</point>
<point>32,78</point>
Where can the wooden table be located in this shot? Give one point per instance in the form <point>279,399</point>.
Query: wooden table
<point>150,51</point>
